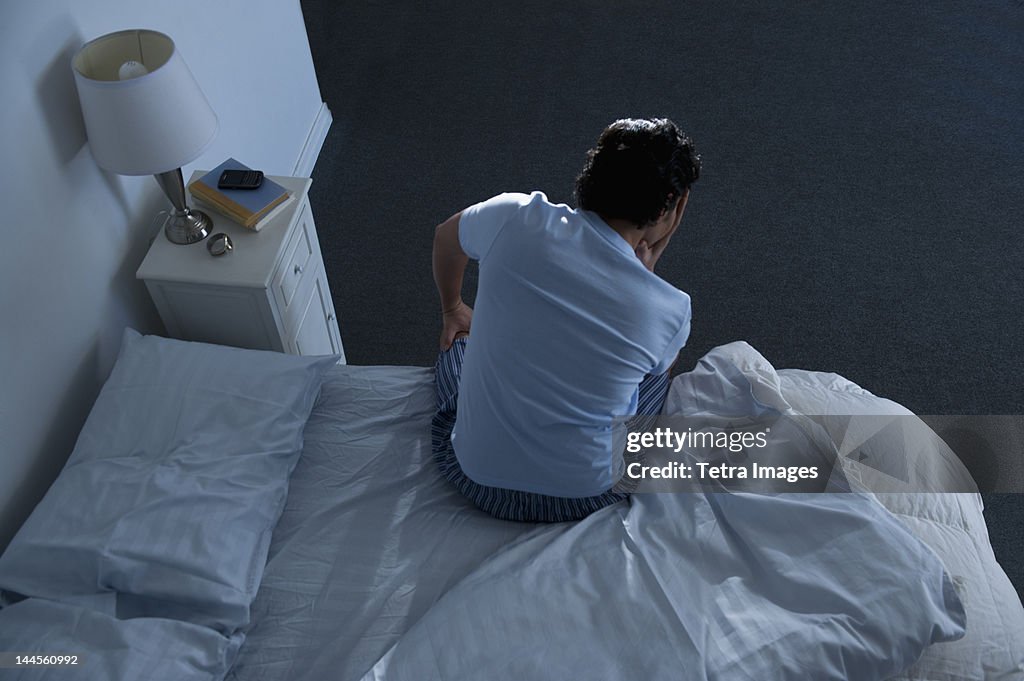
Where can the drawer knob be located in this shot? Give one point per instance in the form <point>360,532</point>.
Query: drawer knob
<point>330,317</point>
<point>298,269</point>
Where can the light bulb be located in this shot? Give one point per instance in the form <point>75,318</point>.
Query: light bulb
<point>131,69</point>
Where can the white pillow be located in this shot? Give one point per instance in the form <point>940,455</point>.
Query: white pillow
<point>175,484</point>
<point>104,647</point>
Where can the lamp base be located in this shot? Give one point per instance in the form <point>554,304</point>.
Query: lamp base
<point>188,226</point>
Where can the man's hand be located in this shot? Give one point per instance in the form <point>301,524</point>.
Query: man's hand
<point>646,255</point>
<point>456,322</point>
<point>649,253</point>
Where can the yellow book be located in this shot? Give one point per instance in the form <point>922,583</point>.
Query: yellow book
<point>255,226</point>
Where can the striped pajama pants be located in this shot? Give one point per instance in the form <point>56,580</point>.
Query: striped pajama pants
<point>515,504</point>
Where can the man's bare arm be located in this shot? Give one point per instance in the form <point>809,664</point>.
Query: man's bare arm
<point>449,262</point>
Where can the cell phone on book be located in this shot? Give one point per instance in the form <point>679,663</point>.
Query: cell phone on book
<point>240,179</point>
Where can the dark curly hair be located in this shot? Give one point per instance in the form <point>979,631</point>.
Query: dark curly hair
<point>637,170</point>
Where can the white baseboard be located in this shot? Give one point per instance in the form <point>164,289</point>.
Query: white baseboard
<point>314,142</point>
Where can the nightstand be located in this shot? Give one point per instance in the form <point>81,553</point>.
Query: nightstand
<point>269,293</point>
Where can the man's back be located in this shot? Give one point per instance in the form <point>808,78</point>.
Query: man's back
<point>567,323</point>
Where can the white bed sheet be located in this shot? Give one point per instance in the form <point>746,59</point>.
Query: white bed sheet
<point>372,538</point>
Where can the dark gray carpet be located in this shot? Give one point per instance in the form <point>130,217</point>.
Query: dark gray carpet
<point>860,207</point>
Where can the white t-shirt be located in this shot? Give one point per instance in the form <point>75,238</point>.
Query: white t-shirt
<point>567,322</point>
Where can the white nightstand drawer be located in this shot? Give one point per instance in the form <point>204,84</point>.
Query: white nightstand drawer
<point>317,329</point>
<point>297,263</point>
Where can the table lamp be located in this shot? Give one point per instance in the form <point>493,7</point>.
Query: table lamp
<point>145,115</point>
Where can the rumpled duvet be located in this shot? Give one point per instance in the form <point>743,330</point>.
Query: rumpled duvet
<point>705,586</point>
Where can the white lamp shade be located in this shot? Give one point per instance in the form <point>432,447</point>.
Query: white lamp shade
<point>148,124</point>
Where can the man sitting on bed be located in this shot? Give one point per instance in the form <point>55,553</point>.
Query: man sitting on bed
<point>572,330</point>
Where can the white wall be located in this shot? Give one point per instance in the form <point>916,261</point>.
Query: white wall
<point>72,235</point>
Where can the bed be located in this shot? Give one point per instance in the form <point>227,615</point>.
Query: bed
<point>331,549</point>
